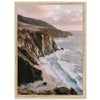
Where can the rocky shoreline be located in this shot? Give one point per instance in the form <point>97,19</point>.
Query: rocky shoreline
<point>35,41</point>
<point>31,46</point>
<point>55,91</point>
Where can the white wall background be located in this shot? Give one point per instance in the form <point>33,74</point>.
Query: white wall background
<point>7,49</point>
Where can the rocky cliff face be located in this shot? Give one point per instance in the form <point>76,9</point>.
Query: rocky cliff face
<point>31,46</point>
<point>26,72</point>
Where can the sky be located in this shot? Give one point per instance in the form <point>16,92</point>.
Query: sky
<point>64,17</point>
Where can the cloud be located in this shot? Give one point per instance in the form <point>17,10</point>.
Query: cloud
<point>61,16</point>
<point>42,11</point>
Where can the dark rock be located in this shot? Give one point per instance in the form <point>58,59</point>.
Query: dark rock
<point>62,91</point>
<point>62,48</point>
<point>73,92</point>
<point>65,91</point>
<point>45,83</point>
<point>27,73</point>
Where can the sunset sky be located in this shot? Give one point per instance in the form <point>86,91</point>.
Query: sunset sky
<point>64,17</point>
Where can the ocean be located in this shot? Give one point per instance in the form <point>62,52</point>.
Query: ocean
<point>66,66</point>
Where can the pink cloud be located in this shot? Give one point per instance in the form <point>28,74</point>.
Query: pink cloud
<point>57,15</point>
<point>43,11</point>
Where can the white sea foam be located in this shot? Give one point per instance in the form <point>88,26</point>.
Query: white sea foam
<point>66,65</point>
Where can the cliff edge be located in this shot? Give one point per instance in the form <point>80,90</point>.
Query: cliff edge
<point>31,46</point>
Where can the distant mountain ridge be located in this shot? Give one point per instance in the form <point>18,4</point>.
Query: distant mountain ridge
<point>33,21</point>
<point>41,26</point>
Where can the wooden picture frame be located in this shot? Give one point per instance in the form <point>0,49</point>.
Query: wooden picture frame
<point>84,51</point>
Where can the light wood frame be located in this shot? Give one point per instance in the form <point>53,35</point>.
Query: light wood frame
<point>84,51</point>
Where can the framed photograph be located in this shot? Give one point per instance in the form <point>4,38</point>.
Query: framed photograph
<point>50,50</point>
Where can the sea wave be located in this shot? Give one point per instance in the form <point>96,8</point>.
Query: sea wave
<point>65,66</point>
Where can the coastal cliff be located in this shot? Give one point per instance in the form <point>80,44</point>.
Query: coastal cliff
<point>31,46</point>
<point>35,40</point>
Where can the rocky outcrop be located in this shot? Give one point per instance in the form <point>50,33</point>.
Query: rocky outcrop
<point>35,44</point>
<point>27,73</point>
<point>65,91</point>
<point>31,46</point>
<point>56,91</point>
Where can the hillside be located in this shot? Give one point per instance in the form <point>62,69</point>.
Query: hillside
<point>41,26</point>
